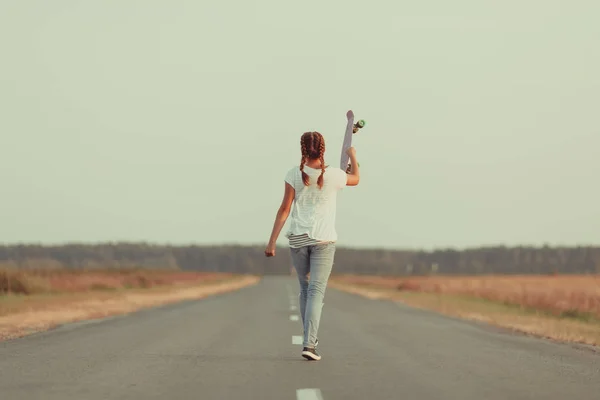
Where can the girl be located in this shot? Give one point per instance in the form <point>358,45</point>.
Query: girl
<point>312,188</point>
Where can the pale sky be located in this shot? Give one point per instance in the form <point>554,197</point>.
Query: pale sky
<point>176,121</point>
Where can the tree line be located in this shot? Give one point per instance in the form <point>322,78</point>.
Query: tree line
<point>251,259</point>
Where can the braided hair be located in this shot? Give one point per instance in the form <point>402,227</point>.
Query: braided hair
<point>312,145</point>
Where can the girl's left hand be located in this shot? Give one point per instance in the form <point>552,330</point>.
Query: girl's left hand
<point>270,250</point>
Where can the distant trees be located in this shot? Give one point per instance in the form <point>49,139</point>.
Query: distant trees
<point>251,259</point>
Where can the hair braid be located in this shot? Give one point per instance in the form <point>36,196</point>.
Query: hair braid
<point>322,159</point>
<point>305,177</point>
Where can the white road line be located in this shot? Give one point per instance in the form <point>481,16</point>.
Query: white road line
<point>294,318</point>
<point>293,308</point>
<point>297,340</point>
<point>308,394</point>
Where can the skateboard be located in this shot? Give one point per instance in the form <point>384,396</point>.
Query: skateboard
<point>351,129</point>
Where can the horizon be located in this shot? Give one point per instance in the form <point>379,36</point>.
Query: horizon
<point>284,246</point>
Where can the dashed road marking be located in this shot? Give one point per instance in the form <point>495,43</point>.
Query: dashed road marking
<point>308,394</point>
<point>297,340</point>
<point>294,318</point>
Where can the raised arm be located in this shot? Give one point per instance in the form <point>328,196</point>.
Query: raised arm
<point>353,177</point>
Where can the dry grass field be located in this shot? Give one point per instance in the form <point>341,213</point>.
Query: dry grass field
<point>39,281</point>
<point>559,295</point>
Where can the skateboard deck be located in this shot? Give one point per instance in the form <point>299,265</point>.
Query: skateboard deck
<point>351,129</point>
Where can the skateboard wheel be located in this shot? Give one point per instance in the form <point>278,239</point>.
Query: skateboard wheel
<point>361,123</point>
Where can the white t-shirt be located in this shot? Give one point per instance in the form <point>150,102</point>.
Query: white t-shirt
<point>314,209</point>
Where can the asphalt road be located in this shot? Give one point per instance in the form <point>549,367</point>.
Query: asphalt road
<point>240,346</point>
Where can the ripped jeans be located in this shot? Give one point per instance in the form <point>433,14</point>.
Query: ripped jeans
<point>316,260</point>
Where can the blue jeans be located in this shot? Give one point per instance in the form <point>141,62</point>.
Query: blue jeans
<point>316,261</point>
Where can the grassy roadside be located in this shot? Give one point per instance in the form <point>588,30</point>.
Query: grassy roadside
<point>22,314</point>
<point>568,327</point>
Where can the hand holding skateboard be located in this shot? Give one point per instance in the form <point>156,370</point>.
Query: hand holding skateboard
<point>351,152</point>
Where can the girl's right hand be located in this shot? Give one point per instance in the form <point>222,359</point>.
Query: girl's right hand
<point>351,152</point>
<point>270,250</point>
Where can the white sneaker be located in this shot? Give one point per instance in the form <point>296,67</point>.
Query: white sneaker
<point>310,354</point>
